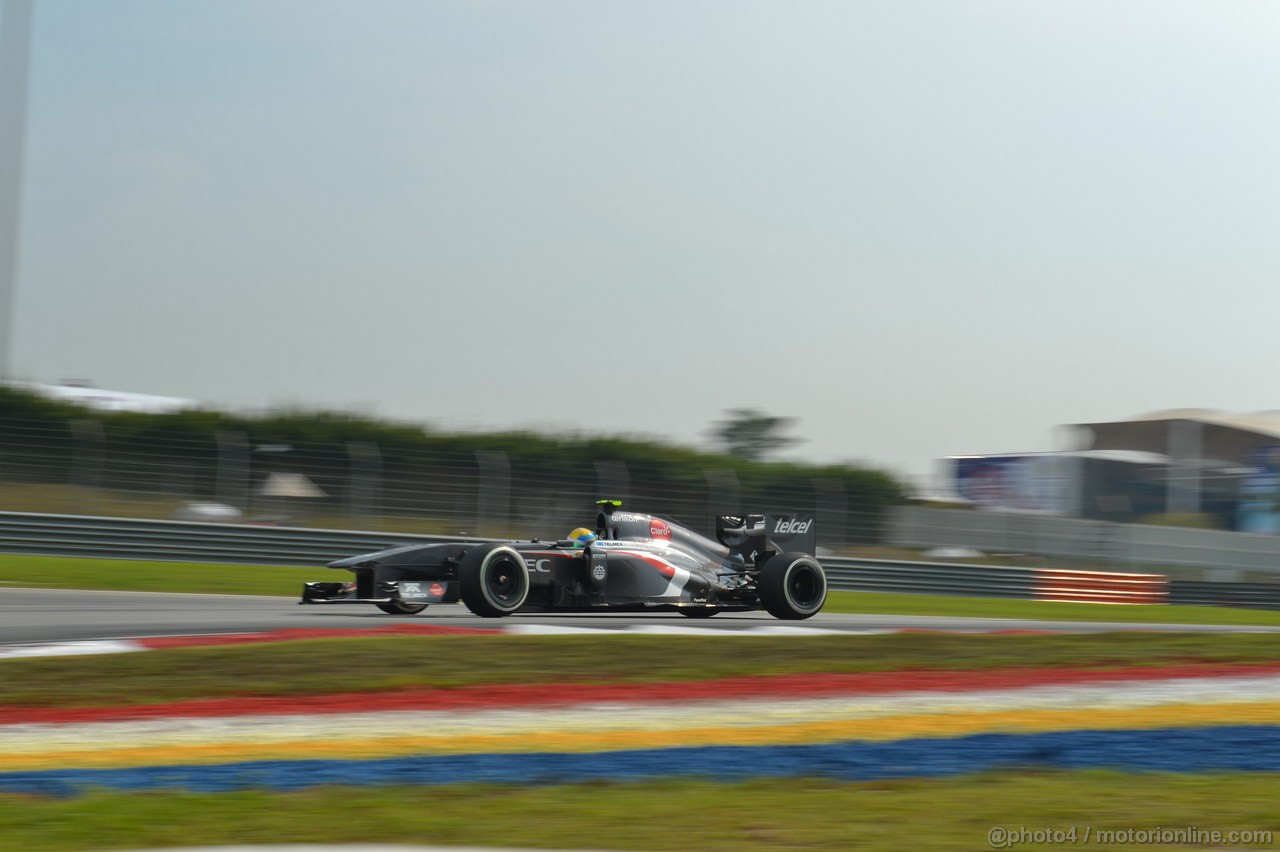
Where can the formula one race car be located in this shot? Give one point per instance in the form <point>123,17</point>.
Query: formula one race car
<point>632,562</point>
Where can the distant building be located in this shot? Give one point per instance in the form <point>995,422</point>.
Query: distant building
<point>1062,483</point>
<point>1216,463</point>
<point>1222,467</point>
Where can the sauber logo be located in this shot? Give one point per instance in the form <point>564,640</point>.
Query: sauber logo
<point>792,527</point>
<point>659,529</point>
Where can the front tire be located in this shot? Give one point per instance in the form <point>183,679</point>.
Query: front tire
<point>397,608</point>
<point>495,581</point>
<point>792,586</point>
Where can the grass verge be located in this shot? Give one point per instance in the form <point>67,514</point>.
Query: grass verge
<point>383,663</point>
<point>138,575</point>
<point>901,604</point>
<point>811,814</point>
<point>18,570</point>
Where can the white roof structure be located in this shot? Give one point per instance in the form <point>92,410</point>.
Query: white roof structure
<point>109,400</point>
<point>1222,435</point>
<point>291,485</point>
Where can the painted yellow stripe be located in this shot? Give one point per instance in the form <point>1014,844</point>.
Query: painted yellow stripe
<point>605,720</point>
<point>868,729</point>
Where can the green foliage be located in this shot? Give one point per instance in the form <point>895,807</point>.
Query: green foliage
<point>750,434</point>
<point>426,473</point>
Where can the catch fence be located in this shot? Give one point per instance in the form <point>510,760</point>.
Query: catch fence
<point>84,468</point>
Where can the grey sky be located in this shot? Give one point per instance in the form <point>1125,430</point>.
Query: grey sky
<point>922,228</point>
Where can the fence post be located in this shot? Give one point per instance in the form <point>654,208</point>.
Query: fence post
<point>493,492</point>
<point>613,481</point>
<point>724,494</point>
<point>233,469</point>
<point>87,446</point>
<point>832,505</point>
<point>365,479</point>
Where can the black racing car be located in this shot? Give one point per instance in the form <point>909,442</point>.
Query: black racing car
<point>637,562</point>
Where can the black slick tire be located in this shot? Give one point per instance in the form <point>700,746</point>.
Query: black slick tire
<point>495,580</point>
<point>792,586</point>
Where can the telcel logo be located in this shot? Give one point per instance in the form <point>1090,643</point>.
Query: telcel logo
<point>792,527</point>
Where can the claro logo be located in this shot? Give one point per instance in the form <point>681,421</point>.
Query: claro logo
<point>792,527</point>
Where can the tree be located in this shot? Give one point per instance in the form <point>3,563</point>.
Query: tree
<point>750,434</point>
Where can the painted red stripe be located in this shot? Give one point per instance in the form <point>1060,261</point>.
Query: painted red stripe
<point>559,694</point>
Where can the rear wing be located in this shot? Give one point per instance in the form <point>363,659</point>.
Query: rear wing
<point>754,535</point>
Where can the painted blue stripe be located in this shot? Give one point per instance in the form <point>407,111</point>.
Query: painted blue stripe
<point>1232,748</point>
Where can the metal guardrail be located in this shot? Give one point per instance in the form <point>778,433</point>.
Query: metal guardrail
<point>187,541</point>
<point>179,541</point>
<point>937,578</point>
<point>118,538</point>
<point>1244,595</point>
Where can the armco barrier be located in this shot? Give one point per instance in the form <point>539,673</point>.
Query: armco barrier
<point>185,541</point>
<point>121,538</point>
<point>1100,587</point>
<point>935,578</point>
<point>1204,593</point>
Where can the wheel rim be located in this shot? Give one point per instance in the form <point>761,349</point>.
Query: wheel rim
<point>805,587</point>
<point>504,583</point>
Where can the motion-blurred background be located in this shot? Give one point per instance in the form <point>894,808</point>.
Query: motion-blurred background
<point>460,267</point>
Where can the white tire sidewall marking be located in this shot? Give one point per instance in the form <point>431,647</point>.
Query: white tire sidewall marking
<point>786,586</point>
<point>484,577</point>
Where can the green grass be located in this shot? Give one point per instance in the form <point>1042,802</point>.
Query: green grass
<point>901,604</point>
<point>810,814</point>
<point>383,663</point>
<point>143,576</point>
<point>138,575</point>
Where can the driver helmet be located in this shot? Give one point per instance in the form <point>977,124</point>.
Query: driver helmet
<point>582,536</point>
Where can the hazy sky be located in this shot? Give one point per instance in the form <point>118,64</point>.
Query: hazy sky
<point>921,228</point>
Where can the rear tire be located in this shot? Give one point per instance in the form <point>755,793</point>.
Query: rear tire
<point>792,586</point>
<point>495,580</point>
<point>397,608</point>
